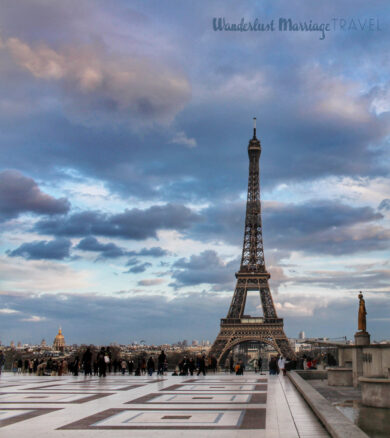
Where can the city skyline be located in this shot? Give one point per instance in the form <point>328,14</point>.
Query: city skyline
<point>123,177</point>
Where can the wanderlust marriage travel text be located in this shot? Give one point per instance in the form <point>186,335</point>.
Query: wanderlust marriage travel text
<point>289,25</point>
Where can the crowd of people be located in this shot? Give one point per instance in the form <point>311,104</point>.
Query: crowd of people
<point>280,364</point>
<point>103,361</point>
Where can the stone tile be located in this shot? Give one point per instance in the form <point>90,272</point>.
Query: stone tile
<point>214,406</point>
<point>14,415</point>
<point>226,398</point>
<point>173,419</point>
<point>63,397</point>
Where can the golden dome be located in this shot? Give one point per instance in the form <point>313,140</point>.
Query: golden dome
<point>60,335</point>
<point>59,341</point>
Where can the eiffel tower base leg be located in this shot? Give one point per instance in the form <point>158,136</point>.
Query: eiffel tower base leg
<point>231,335</point>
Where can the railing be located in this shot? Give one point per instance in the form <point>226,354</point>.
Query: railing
<point>251,320</point>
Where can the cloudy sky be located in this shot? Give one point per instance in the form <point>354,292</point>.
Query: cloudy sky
<point>123,166</point>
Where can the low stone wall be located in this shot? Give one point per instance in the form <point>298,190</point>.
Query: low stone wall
<point>340,377</point>
<point>313,374</point>
<point>334,421</point>
<point>375,392</point>
<point>366,360</point>
<point>376,360</point>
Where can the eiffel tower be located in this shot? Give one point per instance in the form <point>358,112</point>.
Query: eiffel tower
<point>237,328</point>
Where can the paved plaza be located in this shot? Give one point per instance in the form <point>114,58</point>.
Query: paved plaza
<point>217,405</point>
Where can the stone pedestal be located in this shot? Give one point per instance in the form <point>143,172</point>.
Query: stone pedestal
<point>375,392</point>
<point>340,377</point>
<point>345,356</point>
<point>362,338</point>
<point>357,365</point>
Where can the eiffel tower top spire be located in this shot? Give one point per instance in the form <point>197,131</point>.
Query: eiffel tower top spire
<point>254,141</point>
<point>252,259</point>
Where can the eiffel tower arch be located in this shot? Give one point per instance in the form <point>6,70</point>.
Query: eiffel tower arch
<point>237,327</point>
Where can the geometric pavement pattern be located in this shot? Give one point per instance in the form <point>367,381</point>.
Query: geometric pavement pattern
<point>212,406</point>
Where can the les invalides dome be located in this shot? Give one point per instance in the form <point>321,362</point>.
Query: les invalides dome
<point>59,341</point>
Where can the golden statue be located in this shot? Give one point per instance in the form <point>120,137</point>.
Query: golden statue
<point>362,314</point>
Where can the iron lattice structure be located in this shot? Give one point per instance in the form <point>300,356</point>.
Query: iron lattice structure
<point>237,327</point>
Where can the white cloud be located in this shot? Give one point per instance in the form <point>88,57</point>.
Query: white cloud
<point>243,86</point>
<point>357,191</point>
<point>39,276</point>
<point>381,102</point>
<point>8,311</point>
<point>100,81</point>
<point>182,139</point>
<point>34,318</point>
<point>177,244</point>
<point>335,96</point>
<point>299,305</point>
<point>151,281</point>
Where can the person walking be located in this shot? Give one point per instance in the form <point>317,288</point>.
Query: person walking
<point>143,366</point>
<point>273,366</point>
<point>185,366</point>
<point>191,366</point>
<point>65,367</point>
<point>49,365</point>
<point>282,365</point>
<point>20,366</point>
<point>231,363</point>
<point>76,365</point>
<point>202,365</point>
<point>96,367</point>
<point>160,363</point>
<point>150,366</point>
<point>260,364</point>
<point>87,362</point>
<point>2,361</point>
<point>101,362</point>
<point>240,368</point>
<point>214,364</point>
<point>41,369</point>
<point>123,367</point>
<point>108,359</point>
<point>208,363</point>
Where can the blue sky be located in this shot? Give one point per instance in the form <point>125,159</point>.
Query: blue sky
<point>123,167</point>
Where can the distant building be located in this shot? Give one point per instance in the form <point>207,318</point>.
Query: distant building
<point>43,343</point>
<point>59,341</point>
<point>302,335</point>
<point>12,345</point>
